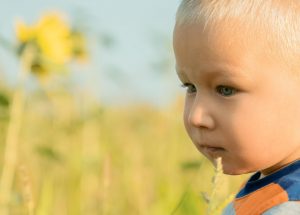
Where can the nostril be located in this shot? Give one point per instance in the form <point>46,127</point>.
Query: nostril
<point>199,118</point>
<point>197,112</point>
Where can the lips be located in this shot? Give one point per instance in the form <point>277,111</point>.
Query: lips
<point>212,147</point>
<point>212,150</point>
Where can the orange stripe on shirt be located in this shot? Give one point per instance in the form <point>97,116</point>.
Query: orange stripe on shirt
<point>260,200</point>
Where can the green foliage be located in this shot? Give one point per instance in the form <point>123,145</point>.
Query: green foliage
<point>109,160</point>
<point>48,153</point>
<point>4,101</point>
<point>191,204</point>
<point>191,165</point>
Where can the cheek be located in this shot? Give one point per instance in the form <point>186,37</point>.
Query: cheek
<point>250,130</point>
<point>258,131</point>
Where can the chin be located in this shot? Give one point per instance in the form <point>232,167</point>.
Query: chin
<point>228,170</point>
<point>233,173</point>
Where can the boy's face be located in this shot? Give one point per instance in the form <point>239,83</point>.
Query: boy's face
<point>240,103</point>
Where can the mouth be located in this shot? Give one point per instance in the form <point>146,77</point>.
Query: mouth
<point>212,150</point>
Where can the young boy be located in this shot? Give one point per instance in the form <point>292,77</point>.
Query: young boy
<point>240,63</point>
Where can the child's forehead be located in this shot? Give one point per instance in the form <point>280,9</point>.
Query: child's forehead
<point>231,31</point>
<point>223,40</point>
<point>223,53</point>
<point>262,40</point>
<point>243,33</point>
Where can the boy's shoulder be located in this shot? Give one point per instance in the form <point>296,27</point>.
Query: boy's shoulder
<point>276,191</point>
<point>291,185</point>
<point>286,208</point>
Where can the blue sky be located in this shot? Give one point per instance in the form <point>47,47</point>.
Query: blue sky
<point>142,35</point>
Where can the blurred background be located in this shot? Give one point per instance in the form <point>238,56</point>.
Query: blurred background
<point>91,113</point>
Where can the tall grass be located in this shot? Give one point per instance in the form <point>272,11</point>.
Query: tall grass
<point>80,157</point>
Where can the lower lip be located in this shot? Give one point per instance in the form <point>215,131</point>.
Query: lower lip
<point>212,150</point>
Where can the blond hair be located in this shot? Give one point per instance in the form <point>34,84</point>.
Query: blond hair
<point>278,19</point>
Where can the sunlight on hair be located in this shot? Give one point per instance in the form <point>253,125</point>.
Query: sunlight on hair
<point>275,21</point>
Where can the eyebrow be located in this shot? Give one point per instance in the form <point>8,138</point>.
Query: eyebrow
<point>223,71</point>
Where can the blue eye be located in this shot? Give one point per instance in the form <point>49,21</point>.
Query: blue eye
<point>226,91</point>
<point>190,88</point>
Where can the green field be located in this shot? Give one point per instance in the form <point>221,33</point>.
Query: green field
<point>76,156</point>
<point>63,152</point>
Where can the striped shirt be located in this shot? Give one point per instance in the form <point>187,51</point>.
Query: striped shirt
<point>274,194</point>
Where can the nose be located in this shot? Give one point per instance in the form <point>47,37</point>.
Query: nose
<point>199,114</point>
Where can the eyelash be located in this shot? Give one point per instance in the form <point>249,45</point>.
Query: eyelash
<point>188,87</point>
<point>192,89</point>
